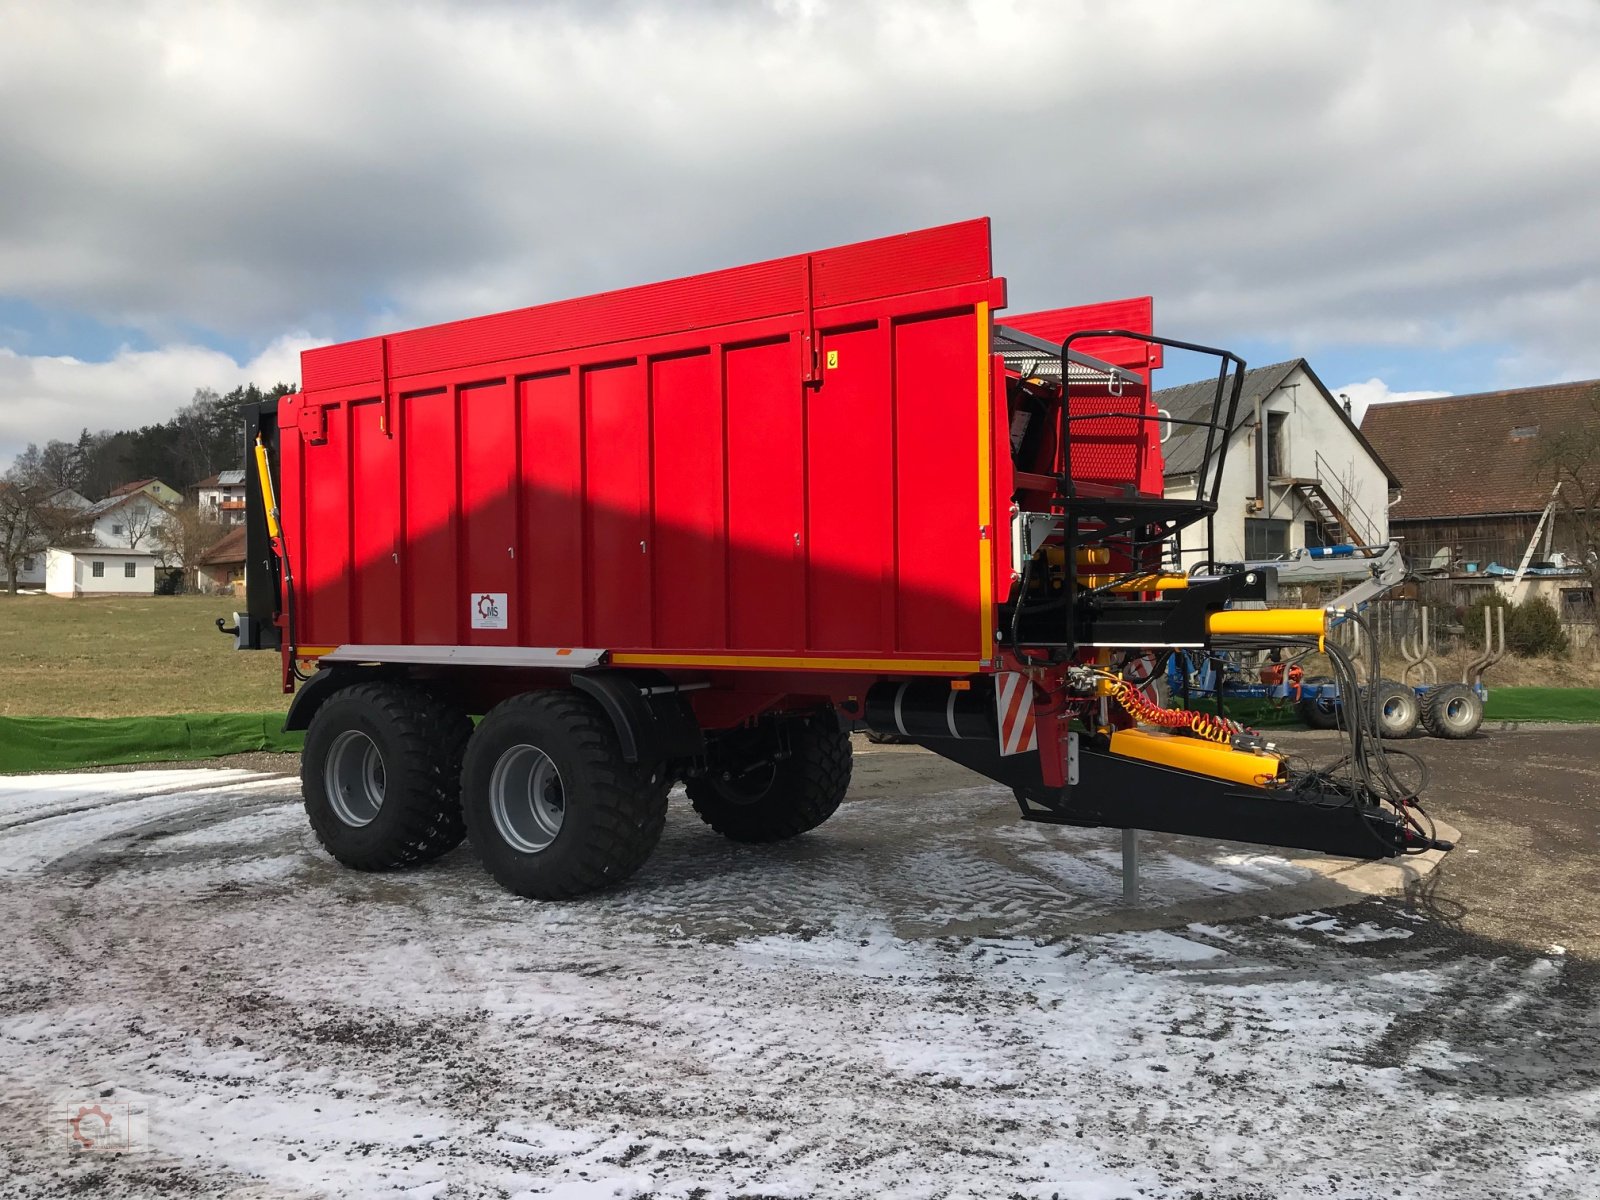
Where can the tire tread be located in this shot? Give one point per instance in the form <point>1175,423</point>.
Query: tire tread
<point>431,736</point>
<point>626,811</point>
<point>803,798</point>
<point>1432,712</point>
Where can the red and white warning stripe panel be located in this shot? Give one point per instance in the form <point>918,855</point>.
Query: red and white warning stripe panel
<point>1013,694</point>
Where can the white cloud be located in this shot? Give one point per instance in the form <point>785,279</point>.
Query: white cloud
<point>1415,175</point>
<point>1376,391</point>
<point>48,397</point>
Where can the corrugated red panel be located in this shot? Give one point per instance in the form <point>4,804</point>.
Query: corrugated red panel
<point>910,262</point>
<point>1108,449</point>
<point>342,365</point>
<point>1136,315</point>
<point>907,262</point>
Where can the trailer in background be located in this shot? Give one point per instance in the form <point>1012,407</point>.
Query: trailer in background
<point>1399,707</point>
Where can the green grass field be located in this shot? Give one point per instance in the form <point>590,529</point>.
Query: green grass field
<point>122,656</point>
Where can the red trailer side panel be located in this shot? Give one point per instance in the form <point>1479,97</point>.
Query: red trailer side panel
<point>550,545</point>
<point>766,501</point>
<point>430,559</point>
<point>688,500</point>
<point>616,502</point>
<point>488,501</point>
<point>786,465</point>
<point>375,523</point>
<point>937,456</point>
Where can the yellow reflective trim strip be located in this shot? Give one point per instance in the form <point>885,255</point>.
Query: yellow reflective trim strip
<point>985,483</point>
<point>920,665</point>
<point>313,651</point>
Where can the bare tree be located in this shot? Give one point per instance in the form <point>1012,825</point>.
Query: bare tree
<point>32,519</point>
<point>1570,456</point>
<point>186,535</point>
<point>143,519</point>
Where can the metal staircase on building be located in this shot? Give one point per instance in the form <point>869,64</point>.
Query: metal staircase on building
<point>1338,512</point>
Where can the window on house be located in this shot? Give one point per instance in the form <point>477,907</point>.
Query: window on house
<point>1265,539</point>
<point>28,564</point>
<point>116,531</point>
<point>1314,534</point>
<point>1277,450</point>
<point>129,570</point>
<point>98,570</point>
<point>1577,604</point>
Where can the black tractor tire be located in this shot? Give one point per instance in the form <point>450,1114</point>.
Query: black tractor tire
<point>1320,714</point>
<point>381,775</point>
<point>792,796</point>
<point>1452,711</point>
<point>1395,709</point>
<point>552,809</point>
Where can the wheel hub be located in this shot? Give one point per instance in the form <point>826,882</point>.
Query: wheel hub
<point>527,799</point>
<point>354,778</point>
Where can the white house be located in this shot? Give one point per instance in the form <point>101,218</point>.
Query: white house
<point>130,517</point>
<point>221,497</point>
<point>94,571</point>
<point>1297,472</point>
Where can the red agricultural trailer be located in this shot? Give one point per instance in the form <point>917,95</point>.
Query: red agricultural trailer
<point>698,529</point>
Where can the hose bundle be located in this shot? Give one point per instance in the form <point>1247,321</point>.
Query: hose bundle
<point>1144,710</point>
<point>1369,772</point>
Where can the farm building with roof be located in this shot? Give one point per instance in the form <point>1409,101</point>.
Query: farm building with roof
<point>1478,484</point>
<point>1297,471</point>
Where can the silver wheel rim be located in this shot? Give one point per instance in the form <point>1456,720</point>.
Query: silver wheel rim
<point>1456,711</point>
<point>354,778</point>
<point>527,799</point>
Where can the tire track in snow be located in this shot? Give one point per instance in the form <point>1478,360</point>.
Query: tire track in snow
<point>73,832</point>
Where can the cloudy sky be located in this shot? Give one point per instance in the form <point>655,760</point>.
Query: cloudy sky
<point>1406,194</point>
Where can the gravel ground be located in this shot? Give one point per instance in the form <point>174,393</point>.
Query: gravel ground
<point>900,1004</point>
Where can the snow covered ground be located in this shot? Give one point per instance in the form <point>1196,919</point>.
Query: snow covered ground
<point>886,1008</point>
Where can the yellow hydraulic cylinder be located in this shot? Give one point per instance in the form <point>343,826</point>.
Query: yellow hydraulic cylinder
<point>1269,622</point>
<point>1183,753</point>
<point>1155,582</point>
<point>264,479</point>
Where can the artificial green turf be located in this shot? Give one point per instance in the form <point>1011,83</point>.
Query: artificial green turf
<point>1576,705</point>
<point>61,743</point>
<point>1543,704</point>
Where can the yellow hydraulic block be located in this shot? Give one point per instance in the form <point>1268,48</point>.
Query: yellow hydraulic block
<point>1183,753</point>
<point>1269,622</point>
